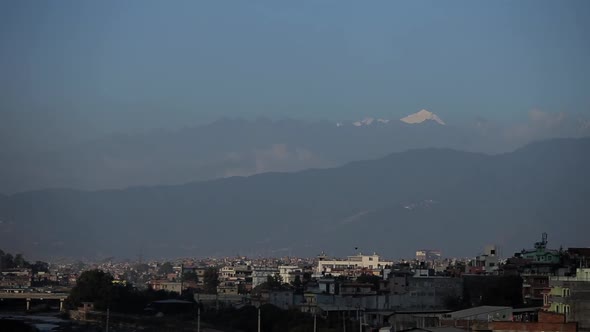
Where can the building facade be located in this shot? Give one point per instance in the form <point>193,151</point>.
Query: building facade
<point>349,265</point>
<point>571,296</point>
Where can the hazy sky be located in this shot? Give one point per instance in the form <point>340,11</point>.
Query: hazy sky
<point>168,62</point>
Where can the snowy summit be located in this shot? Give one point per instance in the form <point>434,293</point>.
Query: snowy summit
<point>368,122</point>
<point>422,116</point>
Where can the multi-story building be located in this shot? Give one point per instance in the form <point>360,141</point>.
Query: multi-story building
<point>260,274</point>
<point>371,263</point>
<point>540,254</point>
<point>399,281</point>
<point>433,292</point>
<point>16,278</point>
<point>424,255</point>
<point>227,272</point>
<point>540,264</point>
<point>570,296</point>
<point>228,288</point>
<point>288,273</point>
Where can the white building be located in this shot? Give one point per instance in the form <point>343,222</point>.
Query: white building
<point>356,262</point>
<point>428,255</point>
<point>227,272</point>
<point>288,273</point>
<point>261,273</point>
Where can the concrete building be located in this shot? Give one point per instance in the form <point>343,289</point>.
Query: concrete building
<point>356,289</point>
<point>481,313</point>
<point>170,286</point>
<point>16,278</point>
<point>540,254</point>
<point>542,263</point>
<point>327,286</point>
<point>261,273</point>
<point>227,272</point>
<point>434,292</point>
<point>570,296</point>
<point>486,263</point>
<point>399,282</point>
<point>288,273</point>
<point>424,255</point>
<point>228,287</point>
<point>546,322</point>
<point>349,265</point>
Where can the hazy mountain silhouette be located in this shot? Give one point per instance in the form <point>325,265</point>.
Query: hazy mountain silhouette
<point>232,147</point>
<point>443,198</point>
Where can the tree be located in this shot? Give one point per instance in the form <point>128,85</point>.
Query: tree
<point>142,268</point>
<point>166,268</point>
<point>92,286</point>
<point>190,276</point>
<point>19,261</point>
<point>6,261</point>
<point>274,282</point>
<point>298,284</point>
<point>40,266</point>
<point>211,280</point>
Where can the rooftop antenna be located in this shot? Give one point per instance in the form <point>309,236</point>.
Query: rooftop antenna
<point>544,238</point>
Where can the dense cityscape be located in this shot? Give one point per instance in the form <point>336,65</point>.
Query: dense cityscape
<point>540,287</point>
<point>295,166</point>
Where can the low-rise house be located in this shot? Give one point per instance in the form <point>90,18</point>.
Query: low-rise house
<point>170,286</point>
<point>228,287</point>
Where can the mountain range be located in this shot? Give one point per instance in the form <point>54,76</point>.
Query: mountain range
<point>231,147</point>
<point>421,198</point>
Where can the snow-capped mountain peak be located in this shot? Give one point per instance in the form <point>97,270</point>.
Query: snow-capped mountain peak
<point>364,122</point>
<point>367,122</point>
<point>422,116</point>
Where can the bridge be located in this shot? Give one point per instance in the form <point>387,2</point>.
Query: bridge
<point>36,296</point>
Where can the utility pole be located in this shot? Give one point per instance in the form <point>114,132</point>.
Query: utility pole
<point>360,321</point>
<point>181,277</point>
<point>108,314</point>
<point>199,318</point>
<point>315,325</point>
<point>258,319</point>
<point>343,322</point>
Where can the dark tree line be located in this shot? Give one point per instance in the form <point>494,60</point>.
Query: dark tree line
<point>7,261</point>
<point>97,286</point>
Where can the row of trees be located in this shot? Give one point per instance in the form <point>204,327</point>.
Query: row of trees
<point>7,261</point>
<point>97,286</point>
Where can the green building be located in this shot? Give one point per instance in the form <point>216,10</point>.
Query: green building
<point>541,254</point>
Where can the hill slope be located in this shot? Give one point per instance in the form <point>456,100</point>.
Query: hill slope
<point>456,201</point>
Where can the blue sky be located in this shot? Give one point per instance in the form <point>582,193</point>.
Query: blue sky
<point>176,61</point>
